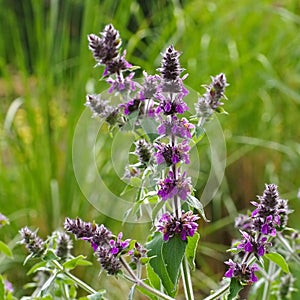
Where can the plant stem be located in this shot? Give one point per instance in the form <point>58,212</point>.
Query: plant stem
<point>140,283</point>
<point>186,279</point>
<point>82,284</point>
<point>268,281</point>
<point>219,292</point>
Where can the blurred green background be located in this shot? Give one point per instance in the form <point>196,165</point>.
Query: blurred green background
<point>45,66</point>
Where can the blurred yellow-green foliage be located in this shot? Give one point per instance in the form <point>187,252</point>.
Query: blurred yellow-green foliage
<point>45,66</point>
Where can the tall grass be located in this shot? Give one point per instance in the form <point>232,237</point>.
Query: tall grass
<point>45,66</point>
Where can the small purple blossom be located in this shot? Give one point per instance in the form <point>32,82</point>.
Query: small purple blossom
<point>121,83</point>
<point>244,222</point>
<point>172,154</point>
<point>179,127</point>
<point>149,86</point>
<point>184,226</point>
<point>8,286</point>
<point>171,106</point>
<point>117,246</point>
<point>109,262</point>
<point>175,186</point>
<point>131,106</point>
<point>246,274</point>
<point>137,253</point>
<point>250,244</point>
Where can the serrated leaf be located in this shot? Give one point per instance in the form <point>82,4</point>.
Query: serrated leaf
<point>195,203</point>
<point>154,247</point>
<point>5,249</point>
<point>76,261</point>
<point>36,267</point>
<point>234,288</point>
<point>173,252</point>
<point>278,260</point>
<point>191,248</point>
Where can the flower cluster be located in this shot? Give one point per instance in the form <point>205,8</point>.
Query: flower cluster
<point>257,230</point>
<point>211,100</point>
<point>183,226</point>
<point>175,185</point>
<point>34,244</point>
<point>63,245</point>
<point>108,248</point>
<point>105,49</point>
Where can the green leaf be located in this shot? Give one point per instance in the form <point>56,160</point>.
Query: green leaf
<point>154,247</point>
<point>195,203</point>
<point>1,288</point>
<point>234,289</point>
<point>36,267</point>
<point>28,257</point>
<point>173,252</point>
<point>50,255</point>
<point>153,278</point>
<point>76,261</point>
<point>5,249</point>
<point>135,181</point>
<point>278,260</point>
<point>191,248</point>
<point>199,134</point>
<point>158,206</point>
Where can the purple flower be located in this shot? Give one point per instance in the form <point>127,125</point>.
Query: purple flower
<point>108,260</point>
<point>8,286</point>
<point>106,50</point>
<point>102,109</point>
<point>171,106</point>
<point>246,274</point>
<point>250,244</point>
<point>170,72</point>
<point>266,216</point>
<point>91,232</point>
<point>172,154</point>
<point>172,125</point>
<point>34,244</point>
<point>149,86</point>
<point>63,245</point>
<point>175,186</point>
<point>143,151</point>
<point>137,253</point>
<point>184,226</point>
<point>131,106</point>
<point>121,83</point>
<point>244,222</point>
<point>117,246</point>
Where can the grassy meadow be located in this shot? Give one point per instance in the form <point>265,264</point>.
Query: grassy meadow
<point>46,70</point>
